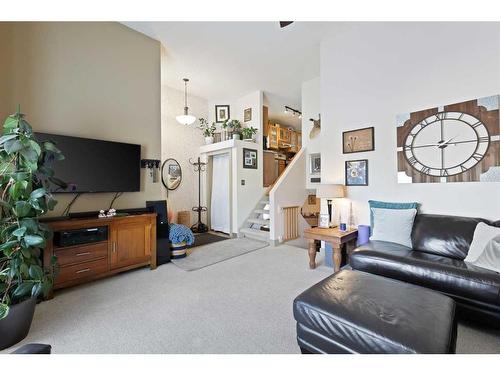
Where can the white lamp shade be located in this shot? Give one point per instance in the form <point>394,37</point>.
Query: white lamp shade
<point>185,119</point>
<point>330,191</point>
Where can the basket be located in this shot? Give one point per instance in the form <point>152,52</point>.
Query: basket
<point>184,218</point>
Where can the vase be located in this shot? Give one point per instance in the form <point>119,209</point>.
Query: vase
<point>16,325</point>
<point>209,140</point>
<point>236,136</point>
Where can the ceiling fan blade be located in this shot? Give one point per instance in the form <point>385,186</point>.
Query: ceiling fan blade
<point>285,23</point>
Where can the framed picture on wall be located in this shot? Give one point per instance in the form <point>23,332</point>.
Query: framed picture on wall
<point>359,140</point>
<point>356,172</point>
<point>315,161</point>
<point>221,113</point>
<point>249,158</point>
<point>247,115</point>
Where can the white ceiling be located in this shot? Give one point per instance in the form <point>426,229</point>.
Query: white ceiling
<point>230,59</point>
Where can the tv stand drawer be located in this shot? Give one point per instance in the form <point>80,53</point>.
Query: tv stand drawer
<point>82,270</point>
<point>81,253</point>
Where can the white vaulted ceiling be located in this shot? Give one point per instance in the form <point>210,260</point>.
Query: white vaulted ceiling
<point>231,59</point>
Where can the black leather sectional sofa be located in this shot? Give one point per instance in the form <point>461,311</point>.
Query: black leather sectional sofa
<point>436,261</point>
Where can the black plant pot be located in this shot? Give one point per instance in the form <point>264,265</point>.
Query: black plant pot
<point>16,325</point>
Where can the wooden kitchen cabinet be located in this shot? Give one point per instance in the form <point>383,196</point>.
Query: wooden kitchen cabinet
<point>273,134</point>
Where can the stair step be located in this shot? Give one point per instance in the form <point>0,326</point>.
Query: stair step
<point>255,234</point>
<point>261,211</point>
<point>264,201</point>
<point>258,221</point>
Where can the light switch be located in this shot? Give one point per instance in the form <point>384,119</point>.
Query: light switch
<point>243,182</point>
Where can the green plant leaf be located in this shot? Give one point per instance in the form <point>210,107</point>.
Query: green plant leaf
<point>36,290</point>
<point>33,240</point>
<point>22,208</point>
<point>8,245</point>
<point>23,268</point>
<point>19,232</point>
<point>38,193</point>
<point>7,137</point>
<point>12,146</point>
<point>10,122</point>
<point>23,290</point>
<point>36,272</point>
<point>35,146</point>
<point>4,310</point>
<point>29,154</point>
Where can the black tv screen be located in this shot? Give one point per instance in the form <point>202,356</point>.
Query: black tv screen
<point>95,166</point>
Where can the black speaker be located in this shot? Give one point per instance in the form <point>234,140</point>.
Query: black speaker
<point>162,231</point>
<point>160,207</point>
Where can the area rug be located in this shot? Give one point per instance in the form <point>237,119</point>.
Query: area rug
<point>207,255</point>
<point>207,238</point>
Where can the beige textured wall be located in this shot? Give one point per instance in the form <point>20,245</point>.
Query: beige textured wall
<point>87,79</point>
<point>182,142</point>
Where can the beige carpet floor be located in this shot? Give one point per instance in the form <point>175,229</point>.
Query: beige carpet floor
<point>242,305</point>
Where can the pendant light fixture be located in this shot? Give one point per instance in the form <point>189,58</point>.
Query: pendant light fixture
<point>185,119</point>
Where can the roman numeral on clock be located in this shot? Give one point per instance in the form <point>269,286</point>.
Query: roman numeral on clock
<point>425,170</point>
<point>484,139</point>
<point>476,124</point>
<point>412,160</point>
<point>477,156</point>
<point>444,173</point>
<point>463,168</point>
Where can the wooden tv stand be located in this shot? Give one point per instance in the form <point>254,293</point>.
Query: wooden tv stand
<point>131,244</point>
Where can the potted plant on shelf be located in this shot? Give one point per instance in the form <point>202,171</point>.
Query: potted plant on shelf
<point>249,134</point>
<point>235,127</point>
<point>225,131</point>
<point>25,175</point>
<point>208,130</point>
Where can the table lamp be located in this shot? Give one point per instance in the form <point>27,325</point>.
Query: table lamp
<point>330,191</point>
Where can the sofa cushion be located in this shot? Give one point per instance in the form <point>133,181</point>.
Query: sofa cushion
<point>390,206</point>
<point>449,236</point>
<point>447,275</point>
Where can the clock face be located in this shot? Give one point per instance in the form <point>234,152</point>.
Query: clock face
<point>446,144</point>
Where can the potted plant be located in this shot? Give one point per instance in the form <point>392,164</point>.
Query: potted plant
<point>208,130</point>
<point>225,130</point>
<point>249,133</point>
<point>235,127</point>
<point>25,175</point>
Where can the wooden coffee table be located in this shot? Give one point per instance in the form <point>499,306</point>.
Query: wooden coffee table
<point>333,236</point>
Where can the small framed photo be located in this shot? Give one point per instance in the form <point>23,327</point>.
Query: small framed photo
<point>324,221</point>
<point>249,158</point>
<point>221,113</point>
<point>247,115</point>
<point>315,160</point>
<point>356,172</point>
<point>359,140</point>
<point>311,199</point>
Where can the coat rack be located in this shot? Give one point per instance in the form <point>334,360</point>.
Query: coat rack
<point>199,227</point>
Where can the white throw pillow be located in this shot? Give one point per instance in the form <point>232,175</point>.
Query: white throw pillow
<point>490,258</point>
<point>482,235</point>
<point>393,225</point>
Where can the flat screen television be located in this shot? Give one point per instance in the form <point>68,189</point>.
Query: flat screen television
<point>96,166</point>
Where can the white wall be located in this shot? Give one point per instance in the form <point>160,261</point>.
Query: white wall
<point>245,196</point>
<point>370,72</point>
<point>86,79</point>
<point>310,109</point>
<point>182,142</point>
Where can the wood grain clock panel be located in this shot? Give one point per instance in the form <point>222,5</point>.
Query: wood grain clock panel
<point>454,143</point>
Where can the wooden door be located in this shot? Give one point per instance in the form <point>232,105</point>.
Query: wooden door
<point>130,243</point>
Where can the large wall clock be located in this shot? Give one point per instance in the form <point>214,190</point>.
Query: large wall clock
<point>458,142</point>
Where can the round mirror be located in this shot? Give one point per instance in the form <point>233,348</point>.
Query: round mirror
<point>171,174</point>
